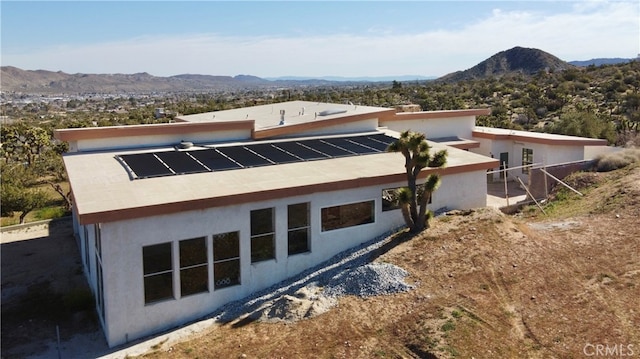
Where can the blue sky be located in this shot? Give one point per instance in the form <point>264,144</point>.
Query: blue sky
<point>306,38</point>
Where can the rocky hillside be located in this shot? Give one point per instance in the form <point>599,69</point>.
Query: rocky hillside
<point>516,60</point>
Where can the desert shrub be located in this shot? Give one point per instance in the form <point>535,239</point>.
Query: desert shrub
<point>617,160</point>
<point>50,213</point>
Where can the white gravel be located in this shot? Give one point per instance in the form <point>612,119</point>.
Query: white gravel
<point>316,290</point>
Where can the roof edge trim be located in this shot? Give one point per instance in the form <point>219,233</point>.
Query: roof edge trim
<point>259,196</point>
<point>569,140</point>
<point>400,116</point>
<point>89,133</point>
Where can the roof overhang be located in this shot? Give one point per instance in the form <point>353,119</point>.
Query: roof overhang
<point>426,115</point>
<point>540,138</point>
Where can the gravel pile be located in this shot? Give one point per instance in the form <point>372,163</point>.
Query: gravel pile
<point>368,280</point>
<point>315,291</point>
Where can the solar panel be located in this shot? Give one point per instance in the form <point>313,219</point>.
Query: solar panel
<point>146,165</point>
<point>274,154</point>
<point>381,137</point>
<point>300,151</point>
<point>167,163</point>
<point>370,143</point>
<point>328,149</point>
<point>349,145</point>
<point>181,162</point>
<point>244,157</point>
<point>214,160</point>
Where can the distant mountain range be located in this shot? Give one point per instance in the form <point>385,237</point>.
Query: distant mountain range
<point>403,78</point>
<point>602,61</point>
<point>516,60</point>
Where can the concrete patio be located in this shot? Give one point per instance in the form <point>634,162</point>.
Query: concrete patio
<point>497,197</point>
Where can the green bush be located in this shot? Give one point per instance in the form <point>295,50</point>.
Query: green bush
<point>50,213</point>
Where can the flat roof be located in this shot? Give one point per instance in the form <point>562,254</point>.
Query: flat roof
<point>457,142</point>
<point>104,191</point>
<point>535,137</point>
<point>224,157</point>
<point>295,112</point>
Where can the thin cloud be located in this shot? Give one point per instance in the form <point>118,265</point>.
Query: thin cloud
<point>593,29</point>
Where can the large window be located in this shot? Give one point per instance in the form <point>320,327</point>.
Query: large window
<point>194,271</point>
<point>298,225</point>
<point>158,272</point>
<point>262,235</point>
<point>390,200</point>
<point>527,160</point>
<point>347,215</point>
<point>226,259</point>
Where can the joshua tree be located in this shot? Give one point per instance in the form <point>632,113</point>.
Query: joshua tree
<point>413,202</point>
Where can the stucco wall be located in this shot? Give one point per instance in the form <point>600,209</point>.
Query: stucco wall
<point>158,140</point>
<point>128,317</point>
<point>435,127</point>
<point>543,154</point>
<point>367,125</point>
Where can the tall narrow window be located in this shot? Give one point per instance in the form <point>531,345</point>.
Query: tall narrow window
<point>87,257</point>
<point>194,269</point>
<point>158,272</point>
<point>99,275</point>
<point>527,160</point>
<point>262,235</point>
<point>226,260</point>
<point>298,223</point>
<point>347,215</point>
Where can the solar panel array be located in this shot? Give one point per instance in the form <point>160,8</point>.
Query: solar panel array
<point>212,159</point>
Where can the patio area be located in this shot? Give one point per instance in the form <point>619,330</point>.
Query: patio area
<point>497,197</point>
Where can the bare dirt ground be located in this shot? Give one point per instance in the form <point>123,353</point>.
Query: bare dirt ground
<point>43,288</point>
<point>488,285</point>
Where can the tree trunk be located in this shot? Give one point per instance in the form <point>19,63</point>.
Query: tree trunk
<point>422,216</point>
<point>407,217</point>
<point>23,215</point>
<point>65,196</point>
<point>413,204</point>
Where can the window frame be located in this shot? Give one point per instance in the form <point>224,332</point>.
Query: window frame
<point>222,261</point>
<point>341,222</point>
<point>527,160</point>
<point>291,231</point>
<point>189,267</point>
<point>99,274</point>
<point>260,236</point>
<point>161,272</point>
<point>392,206</point>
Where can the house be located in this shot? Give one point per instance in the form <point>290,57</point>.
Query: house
<point>525,150</point>
<point>175,220</point>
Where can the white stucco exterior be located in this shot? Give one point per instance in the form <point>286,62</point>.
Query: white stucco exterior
<point>129,213</point>
<point>128,317</point>
<point>547,149</point>
<point>459,126</point>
